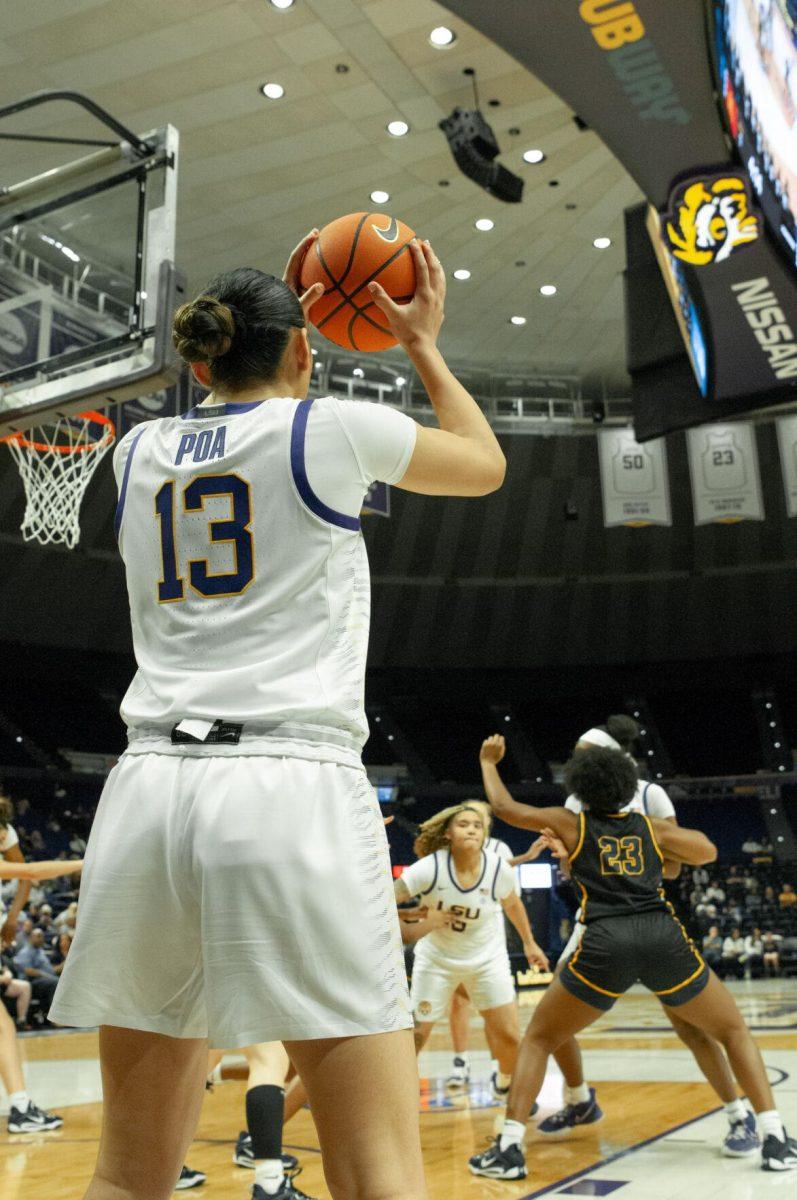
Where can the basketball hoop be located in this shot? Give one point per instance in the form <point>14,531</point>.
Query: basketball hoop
<point>56,462</point>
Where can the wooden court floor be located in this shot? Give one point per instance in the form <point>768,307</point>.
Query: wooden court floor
<point>646,1084</point>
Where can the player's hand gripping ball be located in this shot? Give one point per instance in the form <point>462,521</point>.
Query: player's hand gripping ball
<point>348,255</point>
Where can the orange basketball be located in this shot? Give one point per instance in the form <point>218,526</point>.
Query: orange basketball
<point>348,254</point>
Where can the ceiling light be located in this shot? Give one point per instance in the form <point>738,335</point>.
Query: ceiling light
<point>533,156</point>
<point>273,91</point>
<point>461,273</point>
<point>602,243</point>
<point>282,4</point>
<point>442,36</point>
<point>517,321</point>
<point>359,372</point>
<point>548,289</point>
<point>400,381</point>
<point>397,128</point>
<point>314,353</point>
<point>379,197</point>
<point>484,223</point>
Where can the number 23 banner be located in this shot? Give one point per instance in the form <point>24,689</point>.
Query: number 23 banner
<point>633,479</point>
<point>723,464</point>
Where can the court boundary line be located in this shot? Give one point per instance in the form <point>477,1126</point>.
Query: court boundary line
<point>551,1188</point>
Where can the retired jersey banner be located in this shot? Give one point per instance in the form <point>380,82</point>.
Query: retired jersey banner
<point>787,443</point>
<point>633,480</point>
<point>723,465</point>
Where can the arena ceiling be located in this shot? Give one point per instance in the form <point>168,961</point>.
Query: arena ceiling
<point>256,173</point>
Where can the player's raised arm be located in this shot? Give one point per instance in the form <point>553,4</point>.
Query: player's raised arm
<point>462,457</point>
<point>683,845</point>
<point>563,823</point>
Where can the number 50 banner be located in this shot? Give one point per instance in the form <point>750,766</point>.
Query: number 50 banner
<point>723,464</point>
<point>633,479</point>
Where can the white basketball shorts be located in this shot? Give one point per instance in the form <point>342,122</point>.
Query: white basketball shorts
<point>240,898</point>
<point>435,979</point>
<point>573,944</point>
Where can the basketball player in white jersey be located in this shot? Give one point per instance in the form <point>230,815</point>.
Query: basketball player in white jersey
<point>458,876</point>
<point>23,1115</point>
<point>581,1106</point>
<point>459,1012</point>
<point>241,805</point>
<point>10,852</point>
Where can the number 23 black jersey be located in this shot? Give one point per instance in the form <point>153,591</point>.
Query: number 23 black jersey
<point>617,866</point>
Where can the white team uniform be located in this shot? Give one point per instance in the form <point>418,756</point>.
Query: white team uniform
<point>504,853</point>
<point>651,799</point>
<point>472,950</point>
<point>241,807</point>
<point>8,839</point>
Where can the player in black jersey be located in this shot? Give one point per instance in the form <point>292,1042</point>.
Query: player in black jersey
<point>632,934</point>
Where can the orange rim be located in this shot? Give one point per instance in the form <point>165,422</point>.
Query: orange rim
<point>97,418</point>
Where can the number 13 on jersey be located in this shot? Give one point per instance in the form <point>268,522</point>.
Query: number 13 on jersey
<point>233,530</point>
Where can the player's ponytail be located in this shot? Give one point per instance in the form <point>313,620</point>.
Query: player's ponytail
<point>603,780</point>
<point>239,327</point>
<point>623,729</point>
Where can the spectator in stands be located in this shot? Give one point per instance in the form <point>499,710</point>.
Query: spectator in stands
<point>58,957</point>
<point>700,877</point>
<point>753,956</point>
<point>788,896</point>
<point>67,919</point>
<point>769,902</point>
<point>23,934</point>
<point>752,902</point>
<point>732,954</point>
<point>771,953</point>
<point>37,846</point>
<point>36,966</point>
<point>715,892</point>
<point>706,914</point>
<point>712,947</point>
<point>18,990</point>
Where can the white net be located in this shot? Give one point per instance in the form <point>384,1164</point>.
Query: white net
<point>56,462</point>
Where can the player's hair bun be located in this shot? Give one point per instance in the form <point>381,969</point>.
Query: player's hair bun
<point>623,729</point>
<point>203,329</point>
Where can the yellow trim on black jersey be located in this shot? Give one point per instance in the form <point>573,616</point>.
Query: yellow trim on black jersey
<point>582,830</point>
<point>656,845</point>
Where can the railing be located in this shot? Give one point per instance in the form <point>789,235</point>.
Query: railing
<point>67,285</point>
<point>512,403</point>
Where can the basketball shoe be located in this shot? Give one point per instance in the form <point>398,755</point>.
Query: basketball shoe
<point>32,1120</point>
<point>243,1155</point>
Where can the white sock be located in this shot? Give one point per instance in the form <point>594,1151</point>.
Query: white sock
<point>502,1081</point>
<point>269,1174</point>
<point>576,1095</point>
<point>735,1111</point>
<point>512,1134</point>
<point>19,1101</point>
<point>770,1124</point>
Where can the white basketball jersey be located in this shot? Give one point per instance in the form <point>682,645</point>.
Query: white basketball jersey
<point>249,593</point>
<point>504,853</point>
<point>650,798</point>
<point>473,935</point>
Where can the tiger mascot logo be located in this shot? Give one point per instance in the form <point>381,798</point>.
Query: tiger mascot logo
<point>709,219</point>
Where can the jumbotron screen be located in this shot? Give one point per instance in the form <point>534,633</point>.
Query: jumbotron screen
<point>757,63</point>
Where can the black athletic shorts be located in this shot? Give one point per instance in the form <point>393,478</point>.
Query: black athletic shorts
<point>651,948</point>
